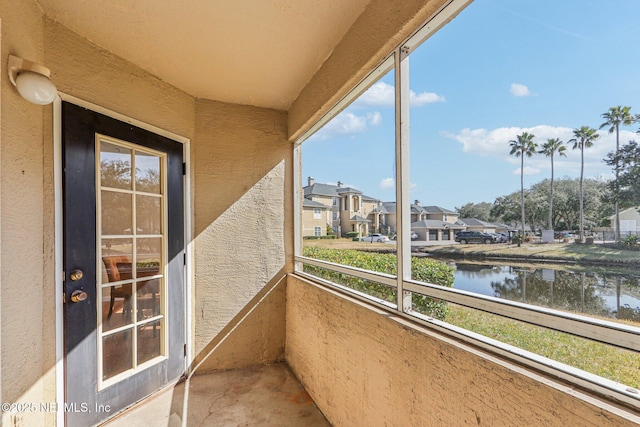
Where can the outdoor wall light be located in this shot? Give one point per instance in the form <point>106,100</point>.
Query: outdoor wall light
<point>32,80</point>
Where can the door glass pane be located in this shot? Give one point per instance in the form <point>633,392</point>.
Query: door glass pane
<point>116,306</point>
<point>132,286</point>
<point>117,353</point>
<point>116,212</point>
<point>149,252</point>
<point>115,166</point>
<point>148,298</point>
<point>147,172</point>
<point>149,341</point>
<point>148,214</point>
<point>115,251</point>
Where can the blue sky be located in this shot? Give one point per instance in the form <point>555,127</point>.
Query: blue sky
<point>502,67</point>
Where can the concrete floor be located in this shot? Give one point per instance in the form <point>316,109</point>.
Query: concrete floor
<point>268,395</point>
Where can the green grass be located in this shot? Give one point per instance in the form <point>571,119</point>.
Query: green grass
<point>571,252</point>
<point>604,360</point>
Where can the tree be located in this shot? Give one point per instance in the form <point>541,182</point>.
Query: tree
<point>583,138</point>
<point>628,184</point>
<point>506,208</point>
<point>522,146</point>
<point>481,211</point>
<point>549,148</point>
<point>615,117</point>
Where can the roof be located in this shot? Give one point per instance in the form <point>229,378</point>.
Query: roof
<point>328,190</point>
<point>341,190</point>
<point>306,203</point>
<point>636,208</point>
<point>437,224</point>
<point>320,190</point>
<point>380,209</point>
<point>474,222</point>
<point>358,218</point>
<point>438,209</point>
<point>391,208</point>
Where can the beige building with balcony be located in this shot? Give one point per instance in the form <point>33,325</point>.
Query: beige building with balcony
<point>348,208</point>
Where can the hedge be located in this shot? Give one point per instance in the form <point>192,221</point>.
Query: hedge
<point>422,269</point>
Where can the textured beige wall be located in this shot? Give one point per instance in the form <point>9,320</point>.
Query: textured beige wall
<point>88,72</point>
<point>27,352</point>
<point>363,367</point>
<point>243,213</point>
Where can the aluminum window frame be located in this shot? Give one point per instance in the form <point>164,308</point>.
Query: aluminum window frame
<point>608,332</point>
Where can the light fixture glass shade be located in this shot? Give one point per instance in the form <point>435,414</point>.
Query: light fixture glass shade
<point>36,88</point>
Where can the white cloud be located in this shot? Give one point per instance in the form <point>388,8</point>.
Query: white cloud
<point>374,118</point>
<point>387,183</point>
<point>382,94</point>
<point>494,143</point>
<point>528,170</point>
<point>348,123</point>
<point>422,98</point>
<point>518,89</point>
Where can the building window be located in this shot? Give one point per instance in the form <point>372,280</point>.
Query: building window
<point>317,213</point>
<point>335,201</point>
<point>317,231</point>
<point>335,216</point>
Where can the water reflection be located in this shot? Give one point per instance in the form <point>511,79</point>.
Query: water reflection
<point>605,294</point>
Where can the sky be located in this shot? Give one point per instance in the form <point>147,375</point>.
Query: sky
<point>500,68</point>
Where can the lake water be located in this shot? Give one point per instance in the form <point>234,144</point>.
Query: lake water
<point>603,293</point>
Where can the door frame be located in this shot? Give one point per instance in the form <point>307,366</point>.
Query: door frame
<point>58,232</point>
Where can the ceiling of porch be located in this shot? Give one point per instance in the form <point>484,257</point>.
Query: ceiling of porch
<point>258,53</point>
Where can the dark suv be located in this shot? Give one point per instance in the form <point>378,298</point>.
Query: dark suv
<point>465,237</point>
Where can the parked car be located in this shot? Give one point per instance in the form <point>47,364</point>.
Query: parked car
<point>376,237</point>
<point>499,238</point>
<point>414,236</point>
<point>465,237</point>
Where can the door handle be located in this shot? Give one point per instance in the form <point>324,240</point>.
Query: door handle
<point>76,275</point>
<point>78,295</point>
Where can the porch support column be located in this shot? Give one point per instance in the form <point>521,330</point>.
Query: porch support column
<point>403,200</point>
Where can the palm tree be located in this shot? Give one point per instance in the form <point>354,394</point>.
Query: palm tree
<point>522,146</point>
<point>615,117</point>
<point>549,148</point>
<point>583,138</point>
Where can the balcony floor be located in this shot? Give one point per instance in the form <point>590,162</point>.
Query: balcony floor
<point>268,395</point>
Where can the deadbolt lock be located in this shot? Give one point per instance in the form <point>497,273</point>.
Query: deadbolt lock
<point>76,275</point>
<point>78,295</point>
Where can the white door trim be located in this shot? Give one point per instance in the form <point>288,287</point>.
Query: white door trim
<point>58,232</point>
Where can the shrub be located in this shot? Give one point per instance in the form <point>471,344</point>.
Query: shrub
<point>351,234</point>
<point>333,236</point>
<point>422,269</point>
<point>631,240</point>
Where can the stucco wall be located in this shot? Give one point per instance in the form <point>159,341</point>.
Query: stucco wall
<point>243,215</point>
<point>26,296</point>
<point>363,366</point>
